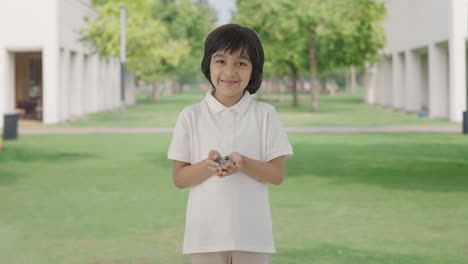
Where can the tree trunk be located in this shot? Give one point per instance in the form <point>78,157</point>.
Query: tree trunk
<point>301,86</point>
<point>177,87</point>
<point>260,91</point>
<point>168,87</point>
<point>348,81</point>
<point>269,87</point>
<point>353,80</point>
<point>314,88</point>
<point>274,87</point>
<point>282,91</point>
<point>293,83</point>
<point>156,91</point>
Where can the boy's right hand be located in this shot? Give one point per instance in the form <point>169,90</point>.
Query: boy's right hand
<point>212,161</point>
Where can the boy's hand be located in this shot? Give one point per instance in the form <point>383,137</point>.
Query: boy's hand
<point>212,162</point>
<point>234,166</point>
<point>238,159</point>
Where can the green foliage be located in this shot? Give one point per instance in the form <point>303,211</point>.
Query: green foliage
<point>162,35</point>
<point>351,36</point>
<point>279,32</point>
<point>344,32</point>
<point>190,21</point>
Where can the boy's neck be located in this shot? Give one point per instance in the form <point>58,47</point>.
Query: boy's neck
<point>226,101</point>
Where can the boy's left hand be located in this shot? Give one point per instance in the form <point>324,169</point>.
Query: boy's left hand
<point>235,166</point>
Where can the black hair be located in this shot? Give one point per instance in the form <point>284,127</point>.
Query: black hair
<point>230,38</point>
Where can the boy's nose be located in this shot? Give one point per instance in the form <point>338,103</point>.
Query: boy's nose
<point>229,70</point>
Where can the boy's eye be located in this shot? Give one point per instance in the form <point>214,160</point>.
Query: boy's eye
<point>219,61</point>
<point>242,64</point>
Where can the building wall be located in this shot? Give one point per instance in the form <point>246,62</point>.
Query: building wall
<point>89,83</point>
<point>18,35</point>
<point>427,41</point>
<point>70,20</point>
<point>27,24</point>
<point>76,81</point>
<point>415,23</point>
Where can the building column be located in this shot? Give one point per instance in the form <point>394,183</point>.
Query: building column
<point>412,85</point>
<point>108,82</point>
<point>388,82</point>
<point>64,106</point>
<point>101,87</point>
<point>93,82</point>
<point>398,81</point>
<point>115,82</point>
<point>72,88</point>
<point>7,83</point>
<point>457,60</point>
<point>3,82</point>
<point>78,84</point>
<point>370,83</point>
<point>85,92</point>
<point>380,84</point>
<point>51,89</point>
<point>438,82</point>
<point>424,81</point>
<point>129,88</point>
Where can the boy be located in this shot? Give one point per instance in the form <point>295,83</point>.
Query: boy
<point>228,217</point>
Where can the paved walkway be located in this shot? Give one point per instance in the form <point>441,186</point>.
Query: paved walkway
<point>147,130</point>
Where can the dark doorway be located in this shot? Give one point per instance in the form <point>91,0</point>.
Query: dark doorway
<point>28,85</point>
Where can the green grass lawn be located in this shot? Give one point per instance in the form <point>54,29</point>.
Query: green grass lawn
<point>343,110</point>
<point>358,198</point>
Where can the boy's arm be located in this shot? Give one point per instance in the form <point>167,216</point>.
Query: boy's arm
<point>269,172</point>
<point>186,174</point>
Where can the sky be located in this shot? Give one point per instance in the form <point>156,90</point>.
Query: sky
<point>224,8</point>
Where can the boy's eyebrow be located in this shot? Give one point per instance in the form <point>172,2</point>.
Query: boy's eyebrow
<point>218,55</point>
<point>243,56</point>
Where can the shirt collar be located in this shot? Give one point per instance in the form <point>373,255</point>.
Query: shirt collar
<point>217,107</point>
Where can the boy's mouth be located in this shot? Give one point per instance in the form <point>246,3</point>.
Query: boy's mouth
<point>229,82</point>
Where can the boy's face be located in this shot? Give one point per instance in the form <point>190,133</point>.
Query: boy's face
<point>230,75</point>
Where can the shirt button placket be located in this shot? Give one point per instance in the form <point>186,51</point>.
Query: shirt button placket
<point>231,128</point>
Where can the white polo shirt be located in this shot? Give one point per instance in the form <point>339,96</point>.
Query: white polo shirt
<point>230,213</point>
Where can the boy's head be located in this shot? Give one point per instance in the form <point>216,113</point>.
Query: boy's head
<point>232,38</point>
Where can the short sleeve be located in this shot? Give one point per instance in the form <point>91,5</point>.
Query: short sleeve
<point>277,139</point>
<point>180,143</point>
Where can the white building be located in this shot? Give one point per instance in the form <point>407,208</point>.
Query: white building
<point>45,72</point>
<point>423,67</point>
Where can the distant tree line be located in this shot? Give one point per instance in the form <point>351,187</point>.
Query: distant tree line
<point>314,38</point>
<point>164,38</point>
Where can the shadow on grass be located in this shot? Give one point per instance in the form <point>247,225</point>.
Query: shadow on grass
<point>15,156</point>
<point>334,254</point>
<point>37,155</point>
<point>408,166</point>
<point>8,176</point>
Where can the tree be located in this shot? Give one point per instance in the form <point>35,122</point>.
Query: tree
<point>164,37</point>
<point>341,33</point>
<point>331,34</point>
<point>276,28</point>
<point>149,46</point>
<point>190,21</point>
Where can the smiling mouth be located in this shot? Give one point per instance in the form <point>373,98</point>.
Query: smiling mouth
<point>229,82</point>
